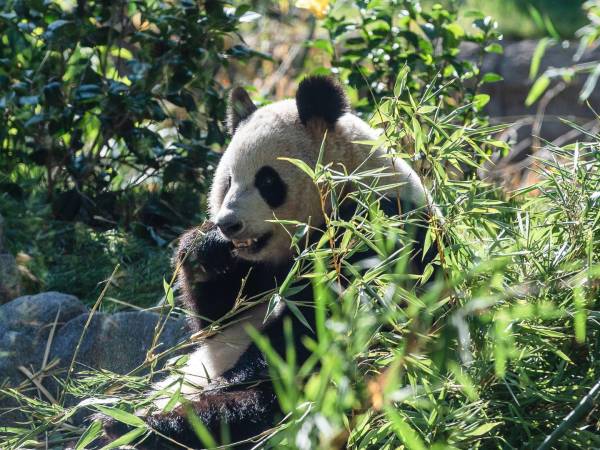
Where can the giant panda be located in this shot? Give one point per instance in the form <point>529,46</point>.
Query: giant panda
<point>241,254</point>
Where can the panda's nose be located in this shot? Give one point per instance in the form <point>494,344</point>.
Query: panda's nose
<point>230,226</point>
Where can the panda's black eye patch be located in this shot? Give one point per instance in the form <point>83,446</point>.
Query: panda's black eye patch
<point>271,186</point>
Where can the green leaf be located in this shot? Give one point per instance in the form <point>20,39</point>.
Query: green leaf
<point>199,428</point>
<point>536,16</point>
<point>122,416</point>
<point>580,318</point>
<point>563,355</point>
<point>480,100</point>
<point>87,92</point>
<point>35,119</point>
<point>483,429</point>
<point>301,165</point>
<point>404,431</point>
<point>93,431</point>
<point>168,293</point>
<point>176,397</point>
<point>29,100</point>
<point>456,30</point>
<point>126,439</point>
<point>491,77</point>
<point>58,24</point>
<point>550,28</point>
<point>494,48</point>
<point>538,88</point>
<point>400,83</point>
<point>296,311</point>
<point>474,14</point>
<point>590,84</point>
<point>322,44</point>
<point>536,59</point>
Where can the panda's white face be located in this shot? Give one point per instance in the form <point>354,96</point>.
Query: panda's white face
<point>253,187</point>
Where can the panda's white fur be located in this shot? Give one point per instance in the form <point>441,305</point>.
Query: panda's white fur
<point>269,133</point>
<point>213,357</point>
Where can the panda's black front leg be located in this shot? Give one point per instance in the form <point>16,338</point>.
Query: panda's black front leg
<point>240,414</point>
<point>210,276</point>
<point>230,415</point>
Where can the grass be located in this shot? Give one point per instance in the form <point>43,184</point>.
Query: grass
<point>500,352</point>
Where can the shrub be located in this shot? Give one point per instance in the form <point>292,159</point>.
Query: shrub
<point>372,44</point>
<point>99,98</point>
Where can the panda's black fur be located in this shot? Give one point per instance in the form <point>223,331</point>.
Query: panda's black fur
<point>320,97</point>
<point>243,399</point>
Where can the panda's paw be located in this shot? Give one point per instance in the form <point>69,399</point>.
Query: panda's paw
<point>205,253</point>
<point>164,429</point>
<point>113,429</point>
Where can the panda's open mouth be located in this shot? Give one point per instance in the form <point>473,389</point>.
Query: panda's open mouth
<point>251,245</point>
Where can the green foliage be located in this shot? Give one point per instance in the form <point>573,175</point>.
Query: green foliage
<point>374,42</point>
<point>100,97</point>
<point>496,354</point>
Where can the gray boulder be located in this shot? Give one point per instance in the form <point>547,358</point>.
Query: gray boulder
<point>25,325</point>
<point>514,68</point>
<point>116,342</point>
<point>507,102</point>
<point>541,120</point>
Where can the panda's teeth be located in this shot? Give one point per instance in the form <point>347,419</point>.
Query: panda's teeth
<point>243,244</point>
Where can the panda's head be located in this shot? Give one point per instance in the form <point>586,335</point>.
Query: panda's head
<point>253,186</point>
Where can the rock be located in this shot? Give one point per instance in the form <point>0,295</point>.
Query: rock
<point>514,89</point>
<point>507,102</point>
<point>116,342</point>
<point>25,325</point>
<point>530,129</point>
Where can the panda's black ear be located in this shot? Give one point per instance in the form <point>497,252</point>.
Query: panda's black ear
<point>240,107</point>
<point>321,97</point>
